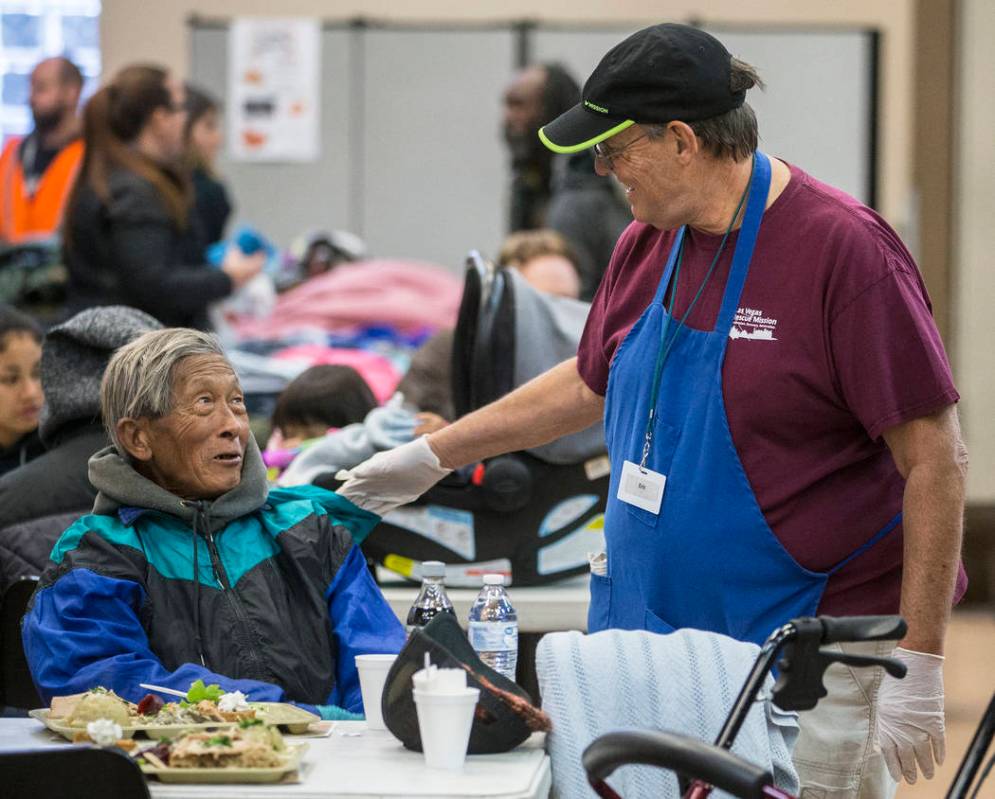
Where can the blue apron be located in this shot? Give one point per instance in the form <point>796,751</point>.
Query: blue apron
<point>708,560</point>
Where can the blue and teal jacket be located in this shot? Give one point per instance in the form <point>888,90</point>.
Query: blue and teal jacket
<point>263,592</point>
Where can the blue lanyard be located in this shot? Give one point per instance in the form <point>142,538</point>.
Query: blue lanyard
<point>666,339</point>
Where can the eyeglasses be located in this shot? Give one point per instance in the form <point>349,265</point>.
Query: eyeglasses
<point>607,157</point>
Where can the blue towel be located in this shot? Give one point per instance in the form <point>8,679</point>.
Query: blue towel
<point>685,682</point>
<point>336,713</point>
<point>248,240</point>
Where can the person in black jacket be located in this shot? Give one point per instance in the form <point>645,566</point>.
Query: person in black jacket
<point>39,500</point>
<point>20,388</point>
<point>203,137</point>
<point>536,95</point>
<point>130,239</point>
<point>560,192</point>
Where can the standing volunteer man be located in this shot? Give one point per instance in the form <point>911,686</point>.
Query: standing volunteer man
<point>778,407</point>
<point>38,170</point>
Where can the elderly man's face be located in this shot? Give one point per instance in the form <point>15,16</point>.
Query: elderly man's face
<point>196,451</point>
<point>650,172</point>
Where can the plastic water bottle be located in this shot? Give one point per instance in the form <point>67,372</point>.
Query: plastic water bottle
<point>432,599</point>
<point>494,627</point>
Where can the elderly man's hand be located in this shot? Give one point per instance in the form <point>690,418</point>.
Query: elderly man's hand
<point>392,478</point>
<point>910,716</point>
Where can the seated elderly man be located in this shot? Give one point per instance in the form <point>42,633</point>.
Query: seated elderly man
<point>187,568</point>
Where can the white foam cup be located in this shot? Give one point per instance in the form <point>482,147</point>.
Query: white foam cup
<point>444,722</point>
<point>372,678</point>
<point>440,681</point>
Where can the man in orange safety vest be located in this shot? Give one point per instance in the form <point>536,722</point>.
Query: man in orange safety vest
<point>37,171</point>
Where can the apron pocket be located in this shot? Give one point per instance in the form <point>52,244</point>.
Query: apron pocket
<point>599,611</point>
<point>654,624</point>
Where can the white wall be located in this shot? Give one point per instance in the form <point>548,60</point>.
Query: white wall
<point>974,253</point>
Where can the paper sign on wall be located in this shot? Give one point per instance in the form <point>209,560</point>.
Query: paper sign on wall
<point>274,89</point>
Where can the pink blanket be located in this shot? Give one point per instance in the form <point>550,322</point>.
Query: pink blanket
<point>407,295</point>
<point>379,373</point>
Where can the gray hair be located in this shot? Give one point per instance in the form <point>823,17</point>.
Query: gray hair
<point>733,134</point>
<point>138,382</point>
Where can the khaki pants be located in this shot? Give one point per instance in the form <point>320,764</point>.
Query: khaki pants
<point>837,755</point>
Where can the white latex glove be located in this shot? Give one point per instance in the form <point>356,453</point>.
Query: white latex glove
<point>910,716</point>
<point>392,478</point>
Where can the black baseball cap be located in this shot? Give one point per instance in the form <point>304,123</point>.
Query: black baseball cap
<point>659,74</point>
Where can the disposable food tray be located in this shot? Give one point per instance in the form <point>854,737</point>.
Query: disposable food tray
<point>280,714</point>
<point>292,761</point>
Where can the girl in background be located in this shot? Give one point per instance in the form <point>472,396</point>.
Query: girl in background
<point>20,388</point>
<point>204,137</point>
<point>320,400</point>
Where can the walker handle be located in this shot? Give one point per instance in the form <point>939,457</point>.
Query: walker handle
<point>862,628</point>
<point>678,753</point>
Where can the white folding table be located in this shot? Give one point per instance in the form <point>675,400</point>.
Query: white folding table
<point>352,763</point>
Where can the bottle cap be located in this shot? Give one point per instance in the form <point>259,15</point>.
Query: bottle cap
<point>493,579</point>
<point>433,568</point>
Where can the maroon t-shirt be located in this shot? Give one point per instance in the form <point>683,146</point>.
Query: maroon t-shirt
<point>834,342</point>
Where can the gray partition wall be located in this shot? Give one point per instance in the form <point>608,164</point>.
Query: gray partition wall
<point>434,161</point>
<point>411,153</point>
<point>286,199</point>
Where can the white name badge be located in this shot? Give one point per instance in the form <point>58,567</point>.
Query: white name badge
<point>641,487</point>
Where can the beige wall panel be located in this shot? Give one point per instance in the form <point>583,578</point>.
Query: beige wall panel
<point>974,292</point>
<point>139,30</point>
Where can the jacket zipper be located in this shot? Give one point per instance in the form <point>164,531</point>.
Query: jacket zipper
<point>232,595</point>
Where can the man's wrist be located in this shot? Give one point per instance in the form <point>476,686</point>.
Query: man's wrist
<point>440,450</point>
<point>927,644</point>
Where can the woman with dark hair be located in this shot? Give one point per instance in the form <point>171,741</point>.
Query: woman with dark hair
<point>203,137</point>
<point>129,238</point>
<point>20,388</point>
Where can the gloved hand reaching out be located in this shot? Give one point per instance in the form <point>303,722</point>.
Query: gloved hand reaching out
<point>910,716</point>
<point>392,478</point>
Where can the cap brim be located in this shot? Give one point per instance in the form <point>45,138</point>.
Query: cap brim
<point>579,129</point>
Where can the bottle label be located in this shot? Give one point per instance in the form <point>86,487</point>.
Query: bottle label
<point>494,636</point>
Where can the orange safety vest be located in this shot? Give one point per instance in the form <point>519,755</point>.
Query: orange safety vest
<point>25,216</point>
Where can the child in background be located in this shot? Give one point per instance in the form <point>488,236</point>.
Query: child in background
<point>321,399</point>
<point>20,388</point>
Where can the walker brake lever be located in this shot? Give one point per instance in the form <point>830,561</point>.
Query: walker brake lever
<point>894,667</point>
<point>804,662</point>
